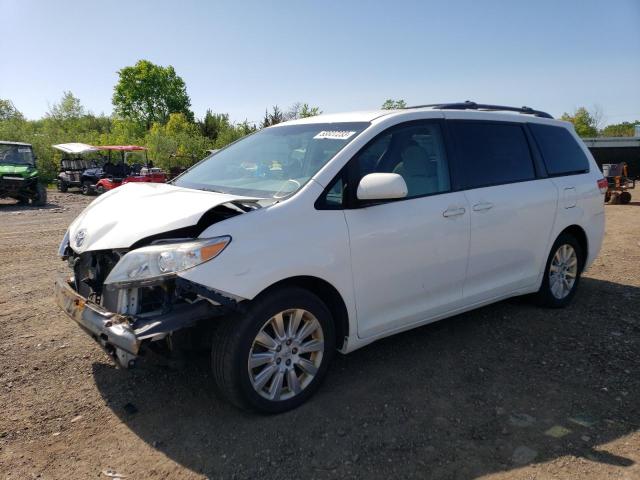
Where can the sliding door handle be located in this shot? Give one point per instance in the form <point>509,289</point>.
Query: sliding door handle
<point>453,212</point>
<point>482,206</point>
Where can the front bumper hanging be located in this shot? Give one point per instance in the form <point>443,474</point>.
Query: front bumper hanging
<point>121,335</point>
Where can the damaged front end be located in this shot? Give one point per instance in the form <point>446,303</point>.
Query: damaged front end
<point>130,298</point>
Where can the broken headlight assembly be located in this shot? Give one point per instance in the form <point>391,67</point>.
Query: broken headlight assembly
<point>154,263</point>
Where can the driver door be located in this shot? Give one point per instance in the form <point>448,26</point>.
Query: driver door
<point>408,256</point>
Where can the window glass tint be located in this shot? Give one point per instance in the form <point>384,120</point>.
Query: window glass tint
<point>560,151</point>
<point>491,153</point>
<point>416,152</point>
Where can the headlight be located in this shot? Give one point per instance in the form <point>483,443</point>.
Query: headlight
<point>149,264</point>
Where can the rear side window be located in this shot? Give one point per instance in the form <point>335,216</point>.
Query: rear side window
<point>491,153</point>
<point>560,152</point>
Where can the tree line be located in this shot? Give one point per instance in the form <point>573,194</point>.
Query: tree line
<point>151,107</point>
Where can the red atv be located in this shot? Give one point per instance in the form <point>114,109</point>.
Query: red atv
<point>127,170</point>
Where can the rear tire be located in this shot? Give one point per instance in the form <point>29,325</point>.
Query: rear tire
<point>625,197</point>
<point>560,281</point>
<point>100,190</point>
<point>62,186</point>
<point>285,369</point>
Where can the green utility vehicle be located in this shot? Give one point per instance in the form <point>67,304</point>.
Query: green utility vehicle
<point>19,175</point>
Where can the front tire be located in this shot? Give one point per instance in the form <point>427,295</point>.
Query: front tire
<point>86,188</point>
<point>562,272</point>
<point>40,199</point>
<point>273,357</point>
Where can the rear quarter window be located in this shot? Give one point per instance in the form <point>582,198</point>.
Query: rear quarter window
<point>560,151</point>
<point>491,153</point>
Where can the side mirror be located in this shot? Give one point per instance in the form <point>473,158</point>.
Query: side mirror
<point>382,186</point>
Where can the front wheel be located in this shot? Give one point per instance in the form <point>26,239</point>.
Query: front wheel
<point>625,197</point>
<point>40,198</point>
<point>562,272</point>
<point>274,357</point>
<point>86,188</point>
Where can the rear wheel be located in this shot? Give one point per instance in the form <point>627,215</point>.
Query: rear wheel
<point>86,188</point>
<point>62,186</point>
<point>625,197</point>
<point>100,189</point>
<point>274,357</point>
<point>562,272</point>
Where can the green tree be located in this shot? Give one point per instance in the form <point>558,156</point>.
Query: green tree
<point>276,116</point>
<point>149,93</point>
<point>302,110</point>
<point>213,124</point>
<point>8,111</point>
<point>68,108</point>
<point>390,104</point>
<point>176,143</point>
<point>624,129</point>
<point>584,122</point>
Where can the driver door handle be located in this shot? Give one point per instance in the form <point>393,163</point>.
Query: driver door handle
<point>453,212</point>
<point>482,206</point>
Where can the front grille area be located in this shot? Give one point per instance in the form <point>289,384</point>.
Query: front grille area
<point>91,270</point>
<point>12,184</point>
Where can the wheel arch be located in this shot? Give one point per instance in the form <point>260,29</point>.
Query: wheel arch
<point>329,296</point>
<point>577,232</point>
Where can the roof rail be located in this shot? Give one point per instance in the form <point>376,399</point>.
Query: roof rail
<point>468,105</point>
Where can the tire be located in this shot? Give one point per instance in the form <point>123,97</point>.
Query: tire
<point>40,199</point>
<point>625,197</point>
<point>62,186</point>
<point>235,341</point>
<point>85,188</point>
<point>548,295</point>
<point>100,189</point>
<point>607,197</point>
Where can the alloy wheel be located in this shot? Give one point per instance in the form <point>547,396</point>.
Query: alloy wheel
<point>563,271</point>
<point>286,354</point>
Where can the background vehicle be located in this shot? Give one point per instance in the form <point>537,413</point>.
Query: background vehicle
<point>618,182</point>
<point>80,167</point>
<point>19,175</point>
<point>131,165</point>
<point>335,231</point>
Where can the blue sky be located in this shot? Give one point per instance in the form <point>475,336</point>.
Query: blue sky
<point>243,56</point>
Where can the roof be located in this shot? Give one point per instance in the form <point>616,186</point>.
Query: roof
<point>364,116</point>
<point>75,148</point>
<point>121,148</point>
<point>462,109</point>
<point>3,142</point>
<point>612,142</point>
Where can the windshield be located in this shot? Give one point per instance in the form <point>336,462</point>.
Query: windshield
<point>16,154</point>
<point>272,163</point>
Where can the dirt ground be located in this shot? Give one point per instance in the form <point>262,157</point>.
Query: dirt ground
<point>510,391</point>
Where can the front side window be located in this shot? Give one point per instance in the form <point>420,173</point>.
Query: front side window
<point>491,153</point>
<point>560,152</point>
<point>272,163</point>
<point>415,151</point>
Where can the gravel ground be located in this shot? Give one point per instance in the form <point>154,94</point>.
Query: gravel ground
<point>508,391</point>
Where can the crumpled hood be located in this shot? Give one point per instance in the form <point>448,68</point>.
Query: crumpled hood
<point>134,211</point>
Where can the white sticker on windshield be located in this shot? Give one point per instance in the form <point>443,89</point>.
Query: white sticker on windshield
<point>335,134</point>
<point>24,150</point>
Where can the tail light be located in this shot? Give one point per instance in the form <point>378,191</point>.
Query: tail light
<point>603,185</point>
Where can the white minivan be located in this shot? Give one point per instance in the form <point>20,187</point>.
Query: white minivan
<point>331,232</point>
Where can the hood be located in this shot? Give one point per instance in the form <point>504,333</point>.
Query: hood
<point>17,169</point>
<point>127,214</point>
